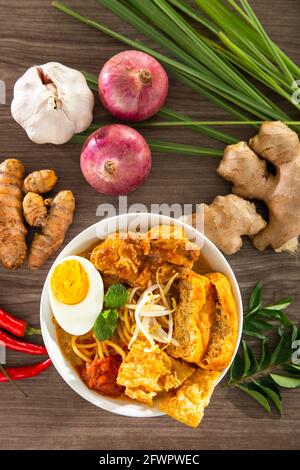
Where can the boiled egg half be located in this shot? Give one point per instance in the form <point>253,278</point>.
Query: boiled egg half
<point>76,294</point>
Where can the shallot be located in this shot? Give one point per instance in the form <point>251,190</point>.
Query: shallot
<point>115,159</point>
<point>133,86</point>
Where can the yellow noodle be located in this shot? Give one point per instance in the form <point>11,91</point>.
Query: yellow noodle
<point>86,352</point>
<point>94,349</point>
<point>127,321</point>
<point>100,349</point>
<point>104,348</point>
<point>120,333</point>
<point>126,334</point>
<point>86,345</point>
<point>77,351</point>
<point>117,348</point>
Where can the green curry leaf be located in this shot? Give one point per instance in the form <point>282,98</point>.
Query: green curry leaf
<point>255,298</point>
<point>285,381</point>
<point>259,378</point>
<point>254,392</point>
<point>271,390</point>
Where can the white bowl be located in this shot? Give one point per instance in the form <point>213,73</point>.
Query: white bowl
<point>216,261</point>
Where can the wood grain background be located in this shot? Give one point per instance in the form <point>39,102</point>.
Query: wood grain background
<point>32,32</point>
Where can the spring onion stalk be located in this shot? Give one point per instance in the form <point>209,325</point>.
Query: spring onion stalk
<point>200,127</point>
<point>245,36</point>
<point>171,147</point>
<point>206,123</point>
<point>231,109</point>
<point>165,7</point>
<point>159,145</point>
<point>190,123</point>
<point>265,38</point>
<point>202,76</point>
<point>242,30</point>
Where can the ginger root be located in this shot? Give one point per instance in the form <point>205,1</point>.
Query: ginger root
<point>242,165</point>
<point>54,229</point>
<point>35,210</point>
<point>226,220</point>
<point>12,228</point>
<point>40,182</point>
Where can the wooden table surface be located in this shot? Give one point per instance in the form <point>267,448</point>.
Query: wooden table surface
<point>32,32</point>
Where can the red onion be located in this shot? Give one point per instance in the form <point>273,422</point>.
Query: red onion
<point>115,159</point>
<point>133,86</point>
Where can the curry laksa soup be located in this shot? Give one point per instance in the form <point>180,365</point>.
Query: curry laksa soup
<point>144,318</point>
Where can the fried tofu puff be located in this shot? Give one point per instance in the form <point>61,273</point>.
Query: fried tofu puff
<point>146,371</point>
<point>186,404</point>
<point>224,327</point>
<point>136,260</point>
<point>178,372</point>
<point>193,318</point>
<point>121,257</point>
<point>170,243</point>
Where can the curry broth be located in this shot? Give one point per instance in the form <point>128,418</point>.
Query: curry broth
<point>201,266</point>
<point>87,253</point>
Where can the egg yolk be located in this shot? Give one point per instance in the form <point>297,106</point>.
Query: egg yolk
<point>69,282</point>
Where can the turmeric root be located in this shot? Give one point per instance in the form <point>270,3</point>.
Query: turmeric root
<point>227,219</point>
<point>35,209</point>
<point>40,182</point>
<point>12,228</point>
<point>54,230</point>
<point>241,165</point>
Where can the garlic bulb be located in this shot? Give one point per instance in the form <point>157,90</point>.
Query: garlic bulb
<point>52,102</point>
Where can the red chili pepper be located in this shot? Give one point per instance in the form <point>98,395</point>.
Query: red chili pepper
<point>21,346</point>
<point>18,373</point>
<point>15,326</point>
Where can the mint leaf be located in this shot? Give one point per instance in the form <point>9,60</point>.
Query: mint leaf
<point>116,296</point>
<point>105,324</point>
